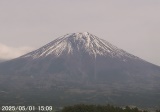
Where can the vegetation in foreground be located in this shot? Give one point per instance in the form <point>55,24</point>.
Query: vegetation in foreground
<point>101,108</point>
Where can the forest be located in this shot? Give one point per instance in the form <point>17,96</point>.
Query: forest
<point>101,108</point>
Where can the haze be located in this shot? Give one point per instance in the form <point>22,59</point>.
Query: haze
<point>132,25</point>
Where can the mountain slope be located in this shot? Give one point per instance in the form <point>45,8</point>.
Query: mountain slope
<point>1,60</point>
<point>80,67</point>
<point>78,42</point>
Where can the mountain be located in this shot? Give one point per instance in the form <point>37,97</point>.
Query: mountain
<point>79,68</point>
<point>1,60</point>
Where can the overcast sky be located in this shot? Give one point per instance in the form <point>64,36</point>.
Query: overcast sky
<point>133,25</point>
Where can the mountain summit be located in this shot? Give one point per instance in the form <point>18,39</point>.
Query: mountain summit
<point>79,42</point>
<point>79,68</point>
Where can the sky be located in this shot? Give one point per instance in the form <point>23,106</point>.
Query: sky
<point>132,25</point>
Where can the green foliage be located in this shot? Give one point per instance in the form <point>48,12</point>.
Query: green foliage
<point>99,108</point>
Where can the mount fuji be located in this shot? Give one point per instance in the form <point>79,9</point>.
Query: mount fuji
<point>79,68</point>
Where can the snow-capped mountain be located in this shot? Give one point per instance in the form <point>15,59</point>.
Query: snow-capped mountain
<point>79,42</point>
<point>80,68</point>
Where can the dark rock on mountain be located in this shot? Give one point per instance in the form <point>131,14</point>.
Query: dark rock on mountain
<point>79,68</point>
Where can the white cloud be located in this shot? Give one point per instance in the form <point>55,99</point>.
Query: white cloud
<point>8,52</point>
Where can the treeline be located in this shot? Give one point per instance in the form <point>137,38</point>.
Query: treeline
<point>100,108</point>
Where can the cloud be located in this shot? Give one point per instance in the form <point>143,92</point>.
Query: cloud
<point>8,52</point>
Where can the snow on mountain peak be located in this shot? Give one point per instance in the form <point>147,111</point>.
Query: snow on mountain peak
<point>79,42</point>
